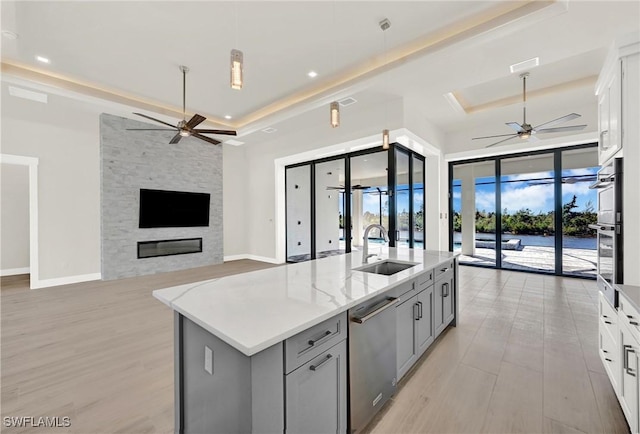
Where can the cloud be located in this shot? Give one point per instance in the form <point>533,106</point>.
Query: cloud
<point>535,197</point>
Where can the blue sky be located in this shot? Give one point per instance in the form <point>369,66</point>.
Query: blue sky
<point>525,191</point>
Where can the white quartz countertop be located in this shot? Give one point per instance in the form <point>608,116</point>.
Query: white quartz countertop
<point>253,311</point>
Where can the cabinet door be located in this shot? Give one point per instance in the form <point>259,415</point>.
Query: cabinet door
<point>603,123</point>
<point>316,399</point>
<point>438,317</point>
<point>425,332</point>
<point>406,315</point>
<point>629,381</point>
<point>448,303</point>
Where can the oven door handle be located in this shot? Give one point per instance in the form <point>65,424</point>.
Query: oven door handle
<point>603,182</point>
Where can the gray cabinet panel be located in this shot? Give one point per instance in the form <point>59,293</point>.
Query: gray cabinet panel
<point>406,313</point>
<point>425,331</point>
<point>444,309</point>
<point>448,301</point>
<point>317,394</point>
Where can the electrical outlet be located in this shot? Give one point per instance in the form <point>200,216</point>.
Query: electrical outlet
<point>208,360</point>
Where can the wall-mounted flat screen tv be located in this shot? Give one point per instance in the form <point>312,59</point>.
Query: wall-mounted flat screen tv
<point>172,209</point>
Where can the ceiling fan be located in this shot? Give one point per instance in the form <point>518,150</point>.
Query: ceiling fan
<point>353,187</point>
<point>185,128</point>
<point>525,131</point>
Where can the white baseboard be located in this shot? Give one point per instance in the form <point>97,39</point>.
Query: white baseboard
<point>14,271</point>
<point>46,283</point>
<point>252,257</point>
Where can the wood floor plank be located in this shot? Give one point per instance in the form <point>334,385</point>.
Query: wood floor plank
<point>511,410</point>
<point>610,411</point>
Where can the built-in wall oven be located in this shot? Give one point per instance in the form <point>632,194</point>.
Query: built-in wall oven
<point>609,228</point>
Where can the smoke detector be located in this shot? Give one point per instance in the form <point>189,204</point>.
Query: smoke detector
<point>385,24</point>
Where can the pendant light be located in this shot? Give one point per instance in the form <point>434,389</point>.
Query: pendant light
<point>335,114</point>
<point>334,107</point>
<point>237,62</point>
<point>236,69</point>
<point>384,25</point>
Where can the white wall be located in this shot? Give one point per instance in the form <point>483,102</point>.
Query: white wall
<point>234,200</point>
<point>14,219</point>
<point>64,135</point>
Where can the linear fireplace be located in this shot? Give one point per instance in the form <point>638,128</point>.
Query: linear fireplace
<point>151,249</point>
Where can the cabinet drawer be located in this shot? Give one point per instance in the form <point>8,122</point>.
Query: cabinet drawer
<point>441,269</point>
<point>628,315</point>
<point>424,280</point>
<point>405,291</point>
<point>306,345</point>
<point>610,357</point>
<point>608,318</point>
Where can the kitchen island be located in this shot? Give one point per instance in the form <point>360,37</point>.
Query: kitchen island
<point>266,351</point>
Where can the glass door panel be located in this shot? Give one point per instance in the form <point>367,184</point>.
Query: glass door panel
<point>528,217</point>
<point>579,243</point>
<point>369,199</point>
<point>418,203</point>
<point>474,212</point>
<point>402,195</point>
<point>298,199</point>
<point>329,195</point>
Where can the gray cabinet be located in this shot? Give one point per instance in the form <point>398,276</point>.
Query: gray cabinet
<point>316,394</point>
<point>444,303</point>
<point>425,332</point>
<point>414,327</point>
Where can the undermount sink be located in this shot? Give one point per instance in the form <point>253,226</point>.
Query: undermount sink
<point>386,267</point>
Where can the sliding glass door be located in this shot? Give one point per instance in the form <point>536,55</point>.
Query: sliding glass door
<point>540,210</point>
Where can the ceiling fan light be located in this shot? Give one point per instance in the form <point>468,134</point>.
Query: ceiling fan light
<point>237,65</point>
<point>184,133</point>
<point>385,139</point>
<point>525,136</point>
<point>335,114</point>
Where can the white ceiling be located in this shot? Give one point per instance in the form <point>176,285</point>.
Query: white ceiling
<point>134,48</point>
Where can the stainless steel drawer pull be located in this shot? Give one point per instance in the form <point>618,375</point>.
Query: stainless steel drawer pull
<point>445,285</point>
<point>420,309</point>
<point>604,316</point>
<point>627,349</point>
<point>607,322</point>
<point>387,304</point>
<point>444,270</point>
<point>605,351</point>
<point>312,342</point>
<point>416,312</point>
<point>316,367</point>
<point>608,360</point>
<point>633,323</point>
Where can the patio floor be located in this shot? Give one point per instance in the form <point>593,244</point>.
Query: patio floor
<point>581,262</point>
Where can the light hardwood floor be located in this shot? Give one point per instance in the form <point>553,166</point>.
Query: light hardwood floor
<point>522,359</point>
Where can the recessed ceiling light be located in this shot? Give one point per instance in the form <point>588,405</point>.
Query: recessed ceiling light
<point>312,74</point>
<point>43,59</point>
<point>9,34</point>
<point>269,130</point>
<point>525,65</point>
<point>233,142</point>
<point>227,116</point>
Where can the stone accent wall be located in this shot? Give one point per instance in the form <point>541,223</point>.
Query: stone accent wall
<point>131,160</point>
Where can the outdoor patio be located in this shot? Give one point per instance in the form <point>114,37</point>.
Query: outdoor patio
<point>535,258</point>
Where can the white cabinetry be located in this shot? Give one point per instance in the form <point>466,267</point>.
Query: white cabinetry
<point>609,113</point>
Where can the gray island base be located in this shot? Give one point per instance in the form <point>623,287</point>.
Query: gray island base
<point>296,374</point>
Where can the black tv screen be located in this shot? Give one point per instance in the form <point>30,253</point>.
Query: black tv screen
<point>171,209</point>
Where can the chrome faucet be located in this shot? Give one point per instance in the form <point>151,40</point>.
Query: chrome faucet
<point>365,247</point>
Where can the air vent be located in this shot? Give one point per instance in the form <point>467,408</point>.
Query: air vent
<point>28,94</point>
<point>345,102</point>
<point>269,130</point>
<point>525,65</point>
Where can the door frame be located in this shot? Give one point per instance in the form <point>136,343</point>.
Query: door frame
<point>32,164</point>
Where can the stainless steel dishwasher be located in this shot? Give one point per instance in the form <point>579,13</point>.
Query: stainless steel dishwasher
<point>372,358</point>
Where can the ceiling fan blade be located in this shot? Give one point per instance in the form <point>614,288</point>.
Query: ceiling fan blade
<point>195,121</point>
<point>154,119</point>
<point>225,132</point>
<point>561,120</point>
<point>533,139</point>
<point>334,188</point>
<point>206,139</point>
<point>561,129</point>
<point>497,143</point>
<point>491,137</point>
<point>175,139</point>
<point>150,129</point>
<point>516,126</point>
